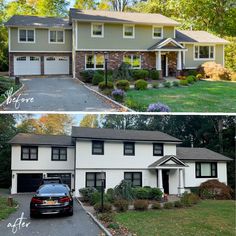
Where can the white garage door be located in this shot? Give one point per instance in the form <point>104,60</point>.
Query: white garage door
<point>27,65</point>
<point>56,65</point>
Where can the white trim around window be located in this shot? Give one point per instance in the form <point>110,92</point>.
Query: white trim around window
<point>132,61</point>
<point>160,27</point>
<point>102,33</point>
<point>128,37</point>
<point>56,30</point>
<point>204,45</point>
<point>95,61</point>
<point>26,29</point>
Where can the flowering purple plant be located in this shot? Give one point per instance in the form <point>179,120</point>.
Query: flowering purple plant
<point>118,94</point>
<point>158,107</point>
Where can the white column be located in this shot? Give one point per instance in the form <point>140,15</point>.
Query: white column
<point>160,182</point>
<point>179,61</point>
<point>158,60</point>
<point>181,181</point>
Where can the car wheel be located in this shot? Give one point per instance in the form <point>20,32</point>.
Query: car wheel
<point>32,215</point>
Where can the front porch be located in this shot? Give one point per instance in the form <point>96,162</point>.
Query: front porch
<point>170,174</point>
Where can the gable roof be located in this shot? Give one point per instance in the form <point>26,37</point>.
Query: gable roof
<point>121,17</point>
<point>203,154</point>
<point>37,139</point>
<point>39,22</point>
<point>163,162</point>
<point>117,134</point>
<point>197,36</point>
<point>167,43</point>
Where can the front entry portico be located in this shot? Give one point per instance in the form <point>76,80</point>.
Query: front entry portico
<point>170,174</point>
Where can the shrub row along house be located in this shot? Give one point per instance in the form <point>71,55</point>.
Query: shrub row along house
<point>47,45</point>
<point>145,158</point>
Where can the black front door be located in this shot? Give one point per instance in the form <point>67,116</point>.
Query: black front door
<point>163,65</point>
<point>28,182</point>
<point>165,179</point>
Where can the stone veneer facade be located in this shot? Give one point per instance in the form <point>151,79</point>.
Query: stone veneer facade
<point>148,60</point>
<point>37,54</point>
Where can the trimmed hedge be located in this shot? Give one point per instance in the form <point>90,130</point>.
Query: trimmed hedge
<point>140,205</point>
<point>140,84</point>
<point>183,82</point>
<point>123,84</point>
<point>154,74</point>
<point>97,78</point>
<point>102,85</point>
<point>121,205</point>
<point>139,74</point>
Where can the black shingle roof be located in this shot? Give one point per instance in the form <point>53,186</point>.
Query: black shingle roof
<point>203,154</point>
<point>36,139</point>
<point>36,21</point>
<point>115,134</point>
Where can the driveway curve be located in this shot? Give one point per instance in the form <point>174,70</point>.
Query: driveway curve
<point>80,224</point>
<point>57,94</point>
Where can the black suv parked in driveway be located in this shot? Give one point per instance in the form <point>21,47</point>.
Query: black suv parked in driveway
<point>52,199</point>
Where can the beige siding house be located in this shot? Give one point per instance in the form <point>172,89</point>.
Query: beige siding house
<point>46,45</point>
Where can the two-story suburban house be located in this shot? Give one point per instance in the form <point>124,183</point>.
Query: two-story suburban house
<point>145,158</point>
<point>47,45</point>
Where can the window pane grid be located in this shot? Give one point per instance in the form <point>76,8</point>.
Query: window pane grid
<point>29,153</point>
<point>94,180</point>
<point>206,170</point>
<point>133,60</point>
<point>157,149</point>
<point>59,154</point>
<point>135,178</point>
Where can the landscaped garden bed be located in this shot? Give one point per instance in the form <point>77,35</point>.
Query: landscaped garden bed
<point>6,210</point>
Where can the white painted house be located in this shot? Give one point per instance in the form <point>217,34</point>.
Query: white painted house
<point>146,158</point>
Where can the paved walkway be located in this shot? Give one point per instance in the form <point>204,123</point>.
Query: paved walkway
<point>57,94</point>
<point>80,224</point>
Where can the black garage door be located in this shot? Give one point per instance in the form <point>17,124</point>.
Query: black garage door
<point>28,182</point>
<point>65,177</point>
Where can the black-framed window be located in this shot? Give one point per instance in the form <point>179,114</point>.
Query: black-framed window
<point>93,179</point>
<point>135,178</point>
<point>206,169</point>
<point>129,149</point>
<point>59,154</point>
<point>97,147</point>
<point>158,149</point>
<point>29,153</point>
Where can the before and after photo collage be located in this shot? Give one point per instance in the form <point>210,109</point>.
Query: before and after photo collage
<point>117,118</point>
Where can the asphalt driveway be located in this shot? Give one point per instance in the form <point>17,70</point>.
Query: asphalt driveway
<point>61,93</point>
<point>80,224</point>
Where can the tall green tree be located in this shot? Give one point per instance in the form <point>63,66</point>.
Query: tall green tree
<point>86,4</point>
<point>90,121</point>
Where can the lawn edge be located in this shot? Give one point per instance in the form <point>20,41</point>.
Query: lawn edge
<point>17,91</point>
<point>122,107</point>
<point>101,226</point>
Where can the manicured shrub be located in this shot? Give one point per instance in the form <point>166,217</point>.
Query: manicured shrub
<point>188,199</point>
<point>168,205</point>
<point>214,189</point>
<point>87,75</point>
<point>107,217</point>
<point>178,204</point>
<point>135,105</point>
<point>102,85</point>
<point>87,193</point>
<point>191,79</point>
<point>121,205</point>
<point>156,206</point>
<point>139,74</point>
<point>181,77</point>
<point>192,72</point>
<point>155,194</point>
<point>167,84</point>
<point>141,193</point>
<point>122,73</point>
<point>183,82</point>
<point>95,198</point>
<point>214,71</point>
<point>175,83</point>
<point>118,95</point>
<point>199,76</point>
<point>107,207</point>
<point>110,195</point>
<point>158,107</point>
<point>140,205</point>
<point>155,85</point>
<point>140,84</point>
<point>123,84</point>
<point>97,78</point>
<point>154,74</point>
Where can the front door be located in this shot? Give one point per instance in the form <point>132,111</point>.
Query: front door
<point>163,65</point>
<point>165,179</point>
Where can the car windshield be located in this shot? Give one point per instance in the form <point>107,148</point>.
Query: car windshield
<point>53,189</point>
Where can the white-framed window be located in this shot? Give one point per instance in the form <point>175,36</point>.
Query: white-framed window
<point>133,60</point>
<point>97,30</point>
<point>202,52</point>
<point>157,32</point>
<point>26,35</point>
<point>56,36</point>
<point>129,31</point>
<point>94,61</point>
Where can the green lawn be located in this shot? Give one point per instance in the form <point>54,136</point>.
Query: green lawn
<point>5,210</point>
<point>5,85</point>
<point>209,217</point>
<point>203,96</point>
